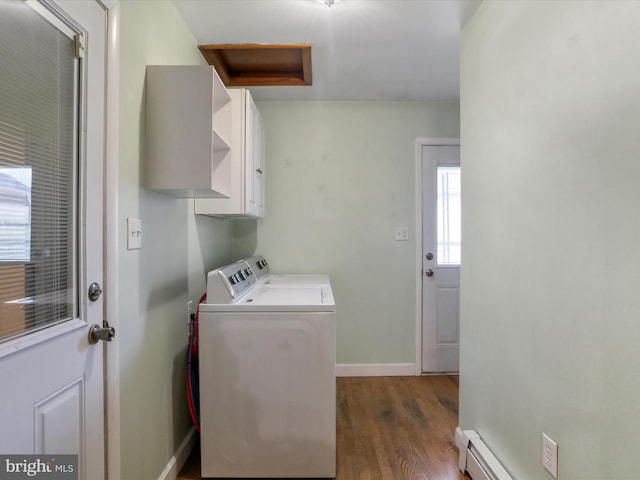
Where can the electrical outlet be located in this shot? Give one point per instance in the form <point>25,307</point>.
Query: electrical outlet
<point>189,303</point>
<point>134,233</point>
<point>402,233</point>
<point>550,455</point>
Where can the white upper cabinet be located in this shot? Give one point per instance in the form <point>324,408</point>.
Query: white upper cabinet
<point>246,196</point>
<point>188,132</point>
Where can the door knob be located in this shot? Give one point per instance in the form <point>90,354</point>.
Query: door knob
<point>97,333</point>
<point>429,273</point>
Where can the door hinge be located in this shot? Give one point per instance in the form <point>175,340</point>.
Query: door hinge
<point>79,44</point>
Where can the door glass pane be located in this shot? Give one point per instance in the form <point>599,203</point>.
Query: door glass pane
<point>37,172</point>
<point>448,215</point>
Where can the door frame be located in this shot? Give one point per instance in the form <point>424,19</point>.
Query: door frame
<point>419,144</point>
<point>111,249</point>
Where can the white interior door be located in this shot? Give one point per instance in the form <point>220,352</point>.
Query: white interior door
<point>51,220</point>
<point>440,258</point>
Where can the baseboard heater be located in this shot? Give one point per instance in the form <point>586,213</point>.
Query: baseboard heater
<point>476,459</point>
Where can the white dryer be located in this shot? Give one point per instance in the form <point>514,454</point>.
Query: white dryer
<point>260,267</point>
<point>267,378</point>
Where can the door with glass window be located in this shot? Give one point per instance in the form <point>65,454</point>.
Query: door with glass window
<point>441,256</point>
<point>51,220</point>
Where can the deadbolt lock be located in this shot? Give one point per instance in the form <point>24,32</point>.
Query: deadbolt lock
<point>95,290</point>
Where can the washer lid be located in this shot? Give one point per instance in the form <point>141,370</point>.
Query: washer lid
<point>297,279</point>
<point>289,295</point>
<point>276,298</point>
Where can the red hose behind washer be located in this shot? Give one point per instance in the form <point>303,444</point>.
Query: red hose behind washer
<point>192,352</point>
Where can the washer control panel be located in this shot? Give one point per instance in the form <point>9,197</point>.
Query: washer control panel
<point>226,284</point>
<point>259,265</point>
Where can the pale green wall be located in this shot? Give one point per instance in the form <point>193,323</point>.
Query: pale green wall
<point>340,177</point>
<point>155,282</point>
<point>550,112</point>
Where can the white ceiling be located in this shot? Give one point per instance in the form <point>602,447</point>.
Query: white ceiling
<point>361,49</point>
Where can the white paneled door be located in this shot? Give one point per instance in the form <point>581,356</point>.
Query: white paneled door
<point>52,109</point>
<point>441,255</point>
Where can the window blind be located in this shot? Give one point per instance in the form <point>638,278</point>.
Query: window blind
<point>37,172</point>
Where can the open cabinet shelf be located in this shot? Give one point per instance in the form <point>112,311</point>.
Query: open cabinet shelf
<point>188,132</point>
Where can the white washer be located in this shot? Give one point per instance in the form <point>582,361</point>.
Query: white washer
<point>260,267</point>
<point>267,378</point>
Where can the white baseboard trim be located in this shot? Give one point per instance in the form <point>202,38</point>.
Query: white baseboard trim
<point>178,460</point>
<point>476,458</point>
<point>375,370</point>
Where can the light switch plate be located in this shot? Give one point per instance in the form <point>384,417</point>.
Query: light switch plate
<point>402,233</point>
<point>134,233</point>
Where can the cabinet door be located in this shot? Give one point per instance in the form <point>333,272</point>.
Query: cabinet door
<point>255,159</point>
<point>246,198</point>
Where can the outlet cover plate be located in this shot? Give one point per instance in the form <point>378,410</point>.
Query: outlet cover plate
<point>134,233</point>
<point>402,233</point>
<point>550,455</point>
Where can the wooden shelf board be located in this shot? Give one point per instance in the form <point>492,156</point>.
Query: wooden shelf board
<point>260,64</point>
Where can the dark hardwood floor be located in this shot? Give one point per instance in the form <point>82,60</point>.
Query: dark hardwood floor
<point>390,428</point>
